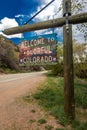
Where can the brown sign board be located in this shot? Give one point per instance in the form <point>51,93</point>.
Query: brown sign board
<point>39,51</point>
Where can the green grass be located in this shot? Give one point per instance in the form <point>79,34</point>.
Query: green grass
<point>81,94</point>
<point>59,129</point>
<point>33,111</point>
<point>51,97</point>
<point>82,126</point>
<point>48,127</point>
<point>42,121</point>
<point>51,94</point>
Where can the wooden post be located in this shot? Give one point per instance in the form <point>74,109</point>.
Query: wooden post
<point>69,104</point>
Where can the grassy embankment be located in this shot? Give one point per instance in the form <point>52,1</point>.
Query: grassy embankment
<point>50,96</point>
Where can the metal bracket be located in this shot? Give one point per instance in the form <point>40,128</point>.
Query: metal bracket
<point>67,15</point>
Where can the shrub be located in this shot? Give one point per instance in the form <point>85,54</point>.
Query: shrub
<point>57,69</point>
<point>80,70</point>
<point>82,126</point>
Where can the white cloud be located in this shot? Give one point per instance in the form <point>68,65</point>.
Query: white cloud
<point>19,15</point>
<point>49,12</point>
<point>12,36</point>
<point>42,32</point>
<point>6,23</point>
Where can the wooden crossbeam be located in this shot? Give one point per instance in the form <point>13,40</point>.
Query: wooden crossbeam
<point>59,22</point>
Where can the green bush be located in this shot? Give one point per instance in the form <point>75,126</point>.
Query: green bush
<point>80,70</point>
<point>57,69</point>
<point>82,126</point>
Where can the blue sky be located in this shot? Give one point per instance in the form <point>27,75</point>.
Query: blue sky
<point>11,8</point>
<point>17,12</point>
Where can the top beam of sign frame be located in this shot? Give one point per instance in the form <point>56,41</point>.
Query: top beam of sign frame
<point>59,22</point>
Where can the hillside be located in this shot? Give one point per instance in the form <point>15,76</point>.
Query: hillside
<point>8,55</point>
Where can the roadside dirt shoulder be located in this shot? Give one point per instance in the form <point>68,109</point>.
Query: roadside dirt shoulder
<point>15,114</point>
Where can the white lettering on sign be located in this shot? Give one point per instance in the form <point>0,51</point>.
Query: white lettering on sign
<point>38,59</point>
<point>37,51</point>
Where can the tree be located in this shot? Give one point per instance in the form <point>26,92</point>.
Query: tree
<point>60,53</point>
<point>8,58</point>
<point>79,54</point>
<point>78,6</point>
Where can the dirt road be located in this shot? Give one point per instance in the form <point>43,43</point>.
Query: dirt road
<point>15,113</point>
<point>11,87</point>
<point>14,85</point>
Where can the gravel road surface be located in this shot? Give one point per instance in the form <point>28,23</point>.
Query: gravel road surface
<point>15,113</point>
<point>14,85</point>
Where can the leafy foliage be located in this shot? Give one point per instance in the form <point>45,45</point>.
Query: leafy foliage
<point>82,126</point>
<point>80,70</point>
<point>8,54</point>
<point>57,69</point>
<point>79,59</point>
<point>78,6</point>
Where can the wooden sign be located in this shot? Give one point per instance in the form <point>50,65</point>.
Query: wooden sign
<point>39,51</point>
